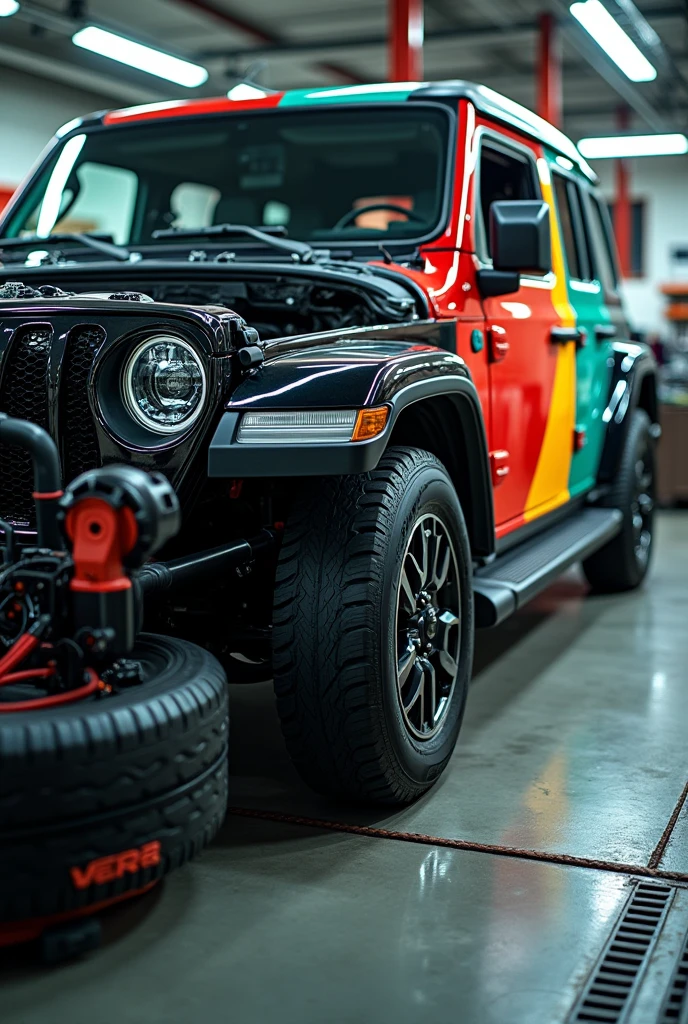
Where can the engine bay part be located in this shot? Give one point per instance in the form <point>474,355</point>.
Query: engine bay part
<point>275,303</point>
<point>281,308</point>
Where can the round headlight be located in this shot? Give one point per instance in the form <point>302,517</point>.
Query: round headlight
<point>164,384</point>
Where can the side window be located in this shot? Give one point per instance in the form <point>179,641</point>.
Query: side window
<point>99,198</point>
<point>573,229</point>
<point>604,256</point>
<point>504,174</point>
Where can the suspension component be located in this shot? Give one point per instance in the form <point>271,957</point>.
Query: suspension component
<point>114,518</point>
<point>205,566</point>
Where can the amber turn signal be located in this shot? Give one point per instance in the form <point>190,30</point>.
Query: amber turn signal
<point>370,423</point>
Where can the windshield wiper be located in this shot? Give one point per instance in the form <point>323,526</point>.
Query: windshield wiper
<point>115,252</point>
<point>297,250</point>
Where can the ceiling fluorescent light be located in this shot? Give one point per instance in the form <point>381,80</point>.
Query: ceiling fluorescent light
<point>608,34</point>
<point>245,91</point>
<point>8,7</point>
<point>143,58</point>
<point>633,145</point>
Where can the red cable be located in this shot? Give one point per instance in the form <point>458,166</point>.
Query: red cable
<point>16,654</point>
<point>19,650</point>
<point>29,673</point>
<point>91,687</point>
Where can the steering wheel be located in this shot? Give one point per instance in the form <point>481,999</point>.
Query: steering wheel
<point>351,215</point>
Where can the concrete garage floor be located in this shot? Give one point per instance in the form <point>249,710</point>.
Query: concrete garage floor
<point>574,746</point>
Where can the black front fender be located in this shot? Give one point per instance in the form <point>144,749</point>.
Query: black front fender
<point>341,375</point>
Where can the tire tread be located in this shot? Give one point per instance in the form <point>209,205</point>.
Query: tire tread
<point>613,568</point>
<point>329,578</point>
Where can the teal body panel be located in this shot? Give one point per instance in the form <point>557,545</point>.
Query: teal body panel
<point>593,368</point>
<point>593,372</point>
<point>349,94</point>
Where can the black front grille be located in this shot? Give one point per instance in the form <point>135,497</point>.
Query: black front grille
<point>80,441</point>
<point>24,393</point>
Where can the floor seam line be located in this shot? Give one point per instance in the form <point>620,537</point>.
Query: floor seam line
<point>660,848</point>
<point>564,859</point>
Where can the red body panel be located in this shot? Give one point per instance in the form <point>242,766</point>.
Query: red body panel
<point>521,381</point>
<point>515,381</point>
<point>189,108</point>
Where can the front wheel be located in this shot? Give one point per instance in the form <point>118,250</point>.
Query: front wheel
<point>373,629</point>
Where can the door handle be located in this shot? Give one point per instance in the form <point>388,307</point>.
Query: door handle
<point>603,332</point>
<point>499,466</point>
<point>563,335</point>
<point>499,344</point>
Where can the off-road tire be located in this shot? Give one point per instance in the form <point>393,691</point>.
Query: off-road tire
<point>618,565</point>
<point>100,777</point>
<point>334,629</point>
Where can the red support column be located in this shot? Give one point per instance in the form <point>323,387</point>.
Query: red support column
<point>622,203</point>
<point>405,40</point>
<point>549,71</point>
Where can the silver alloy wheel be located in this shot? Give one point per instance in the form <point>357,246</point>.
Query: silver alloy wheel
<point>427,627</point>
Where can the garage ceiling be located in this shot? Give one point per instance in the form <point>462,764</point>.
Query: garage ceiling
<point>296,43</point>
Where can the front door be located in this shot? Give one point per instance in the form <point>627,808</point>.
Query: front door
<point>532,370</point>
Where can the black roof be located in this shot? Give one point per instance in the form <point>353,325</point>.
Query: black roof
<point>487,101</point>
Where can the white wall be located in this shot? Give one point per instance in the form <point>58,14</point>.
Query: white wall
<point>662,182</point>
<point>31,109</point>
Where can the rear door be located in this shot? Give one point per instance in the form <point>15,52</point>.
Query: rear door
<point>584,270</point>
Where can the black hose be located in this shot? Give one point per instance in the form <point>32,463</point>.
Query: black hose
<point>46,474</point>
<point>202,566</point>
<point>41,447</point>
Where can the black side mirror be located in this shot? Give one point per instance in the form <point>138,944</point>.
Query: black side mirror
<point>520,236</point>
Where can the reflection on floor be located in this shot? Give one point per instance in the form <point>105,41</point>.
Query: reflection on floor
<point>574,744</point>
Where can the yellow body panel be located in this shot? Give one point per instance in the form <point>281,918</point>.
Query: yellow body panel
<point>552,471</point>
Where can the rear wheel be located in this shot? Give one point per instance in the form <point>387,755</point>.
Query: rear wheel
<point>623,562</point>
<point>373,629</point>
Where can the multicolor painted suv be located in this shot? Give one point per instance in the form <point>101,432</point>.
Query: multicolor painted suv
<point>373,337</point>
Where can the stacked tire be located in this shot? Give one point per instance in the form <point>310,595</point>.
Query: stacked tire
<point>100,799</point>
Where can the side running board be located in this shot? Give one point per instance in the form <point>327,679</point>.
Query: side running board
<point>518,575</point>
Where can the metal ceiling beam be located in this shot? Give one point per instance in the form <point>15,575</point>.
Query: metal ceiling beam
<point>62,24</point>
<point>471,33</point>
<point>457,17</point>
<point>291,47</point>
<point>260,34</point>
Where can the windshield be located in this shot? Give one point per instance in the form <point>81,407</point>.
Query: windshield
<point>320,176</point>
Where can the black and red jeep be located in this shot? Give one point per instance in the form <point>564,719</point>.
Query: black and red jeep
<point>372,337</point>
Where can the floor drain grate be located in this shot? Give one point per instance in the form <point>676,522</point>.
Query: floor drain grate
<point>675,1007</point>
<point>616,975</point>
